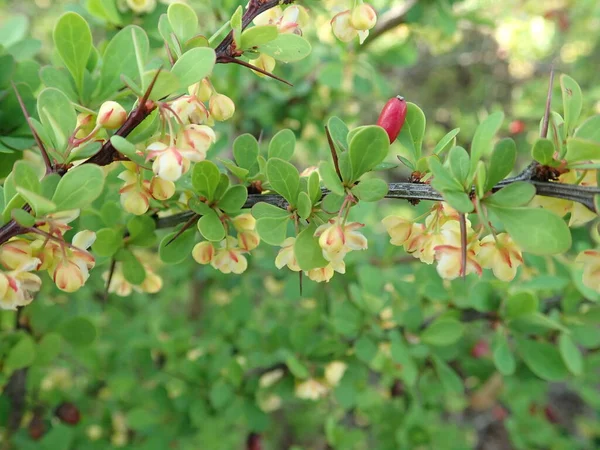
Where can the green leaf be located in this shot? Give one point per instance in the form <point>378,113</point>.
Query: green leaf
<point>236,26</point>
<point>263,209</point>
<point>259,35</point>
<point>459,200</point>
<point>21,355</point>
<point>450,380</point>
<point>442,178</point>
<point>120,58</point>
<point>23,218</point>
<point>523,225</point>
<point>413,131</point>
<point>271,229</point>
<point>211,227</point>
<point>515,194</point>
<point>206,178</point>
<point>542,359</point>
<point>297,369</point>
<point>459,162</point>
<point>501,163</point>
<point>570,354</point>
<point>179,249</point>
<point>590,129</point>
<point>194,65</point>
<point>221,394</point>
<point>79,187</point>
<point>108,242</point>
<point>400,355</point>
<point>286,47</point>
<point>13,30</point>
<point>57,114</point>
<point>504,360</point>
<point>73,42</point>
<point>365,349</point>
<point>141,231</point>
<point>183,20</point>
<point>242,174</point>
<point>520,304</point>
<point>446,142</point>
<point>443,331</point>
<point>133,269</point>
<point>339,132</point>
<point>314,188</point>
<point>582,150</point>
<point>572,101</point>
<point>304,205</point>
<point>308,251</point>
<point>282,145</point>
<point>234,199</point>
<point>484,136</point>
<point>284,179</point>
<point>40,204</point>
<point>371,190</point>
<point>49,348</point>
<point>79,331</point>
<point>26,176</point>
<point>330,178</point>
<point>543,151</point>
<point>368,147</point>
<point>245,152</point>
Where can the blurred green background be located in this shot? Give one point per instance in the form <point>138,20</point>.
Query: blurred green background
<point>181,369</point>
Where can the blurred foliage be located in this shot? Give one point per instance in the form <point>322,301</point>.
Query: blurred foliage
<point>181,369</point>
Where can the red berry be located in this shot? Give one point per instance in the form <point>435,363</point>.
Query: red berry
<point>480,350</point>
<point>253,442</point>
<point>499,413</point>
<point>516,127</point>
<point>392,117</point>
<point>68,413</point>
<point>36,428</point>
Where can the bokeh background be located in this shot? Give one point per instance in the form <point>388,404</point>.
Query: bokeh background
<point>181,369</point>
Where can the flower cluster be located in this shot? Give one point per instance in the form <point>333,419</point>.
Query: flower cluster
<point>229,257</point>
<point>439,239</point>
<point>67,264</point>
<point>137,192</point>
<point>349,24</point>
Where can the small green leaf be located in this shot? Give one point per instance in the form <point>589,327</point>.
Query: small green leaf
<point>287,47</point>
<point>133,269</point>
<point>582,150</point>
<point>297,369</point>
<point>211,227</point>
<point>442,178</point>
<point>308,251</point>
<point>442,332</point>
<point>413,131</point>
<point>242,174</point>
<point>339,132</point>
<point>272,229</point>
<point>572,101</point>
<point>330,178</point>
<point>542,359</point>
<point>282,145</point>
<point>79,187</point>
<point>183,20</point>
<point>58,115</point>
<point>523,225</point>
<point>193,65</point>
<point>120,58</point>
<point>520,304</point>
<point>236,26</point>
<point>73,42</point>
<point>179,249</point>
<point>484,136</point>
<point>304,205</point>
<point>365,349</point>
<point>49,347</point>
<point>314,188</point>
<point>108,242</point>
<point>259,35</point>
<point>504,360</point>
<point>450,380</point>
<point>206,178</point>
<point>141,231</point>
<point>458,159</point>
<point>26,177</point>
<point>79,331</point>
<point>245,152</point>
<point>126,148</point>
<point>23,218</point>
<point>590,129</point>
<point>234,199</point>
<point>400,354</point>
<point>371,190</point>
<point>515,194</point>
<point>368,147</point>
<point>501,163</point>
<point>459,200</point>
<point>284,179</point>
<point>543,151</point>
<point>263,209</point>
<point>570,354</point>
<point>446,142</point>
<point>21,355</point>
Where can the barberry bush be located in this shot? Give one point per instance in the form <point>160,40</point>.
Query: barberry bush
<point>205,243</point>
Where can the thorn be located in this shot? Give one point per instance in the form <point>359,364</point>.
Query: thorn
<point>229,59</point>
<point>36,136</point>
<point>334,155</point>
<point>150,87</point>
<point>169,54</point>
<point>186,226</point>
<point>113,265</point>
<point>546,121</point>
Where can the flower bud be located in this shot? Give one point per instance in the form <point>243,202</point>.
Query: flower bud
<point>334,371</point>
<point>161,189</point>
<point>264,62</point>
<point>203,252</point>
<point>111,115</point>
<point>363,17</point>
<point>15,253</point>
<point>244,222</point>
<point>152,283</point>
<point>141,6</point>
<point>168,164</point>
<point>221,107</point>
<point>321,274</point>
<point>341,27</point>
<point>195,140</point>
<point>201,90</point>
<point>248,240</point>
<point>68,276</point>
<point>85,125</point>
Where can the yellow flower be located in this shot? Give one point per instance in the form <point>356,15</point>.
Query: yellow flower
<point>229,259</point>
<point>342,28</point>
<point>286,256</point>
<point>591,268</point>
<point>169,164</point>
<point>16,253</point>
<point>503,256</point>
<point>71,271</point>
<point>194,141</point>
<point>203,252</point>
<point>141,6</point>
<point>311,389</point>
<point>270,378</point>
<point>264,62</point>
<point>221,107</point>
<point>398,228</point>
<point>449,253</point>
<point>17,286</point>
<point>248,240</point>
<point>363,17</point>
<point>321,274</point>
<point>334,371</point>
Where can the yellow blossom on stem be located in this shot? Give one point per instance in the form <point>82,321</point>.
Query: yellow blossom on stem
<point>18,286</point>
<point>229,258</point>
<point>203,252</point>
<point>286,256</point>
<point>449,253</point>
<point>398,228</point>
<point>502,256</point>
<point>590,259</point>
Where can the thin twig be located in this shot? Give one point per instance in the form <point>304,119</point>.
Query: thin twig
<point>231,60</point>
